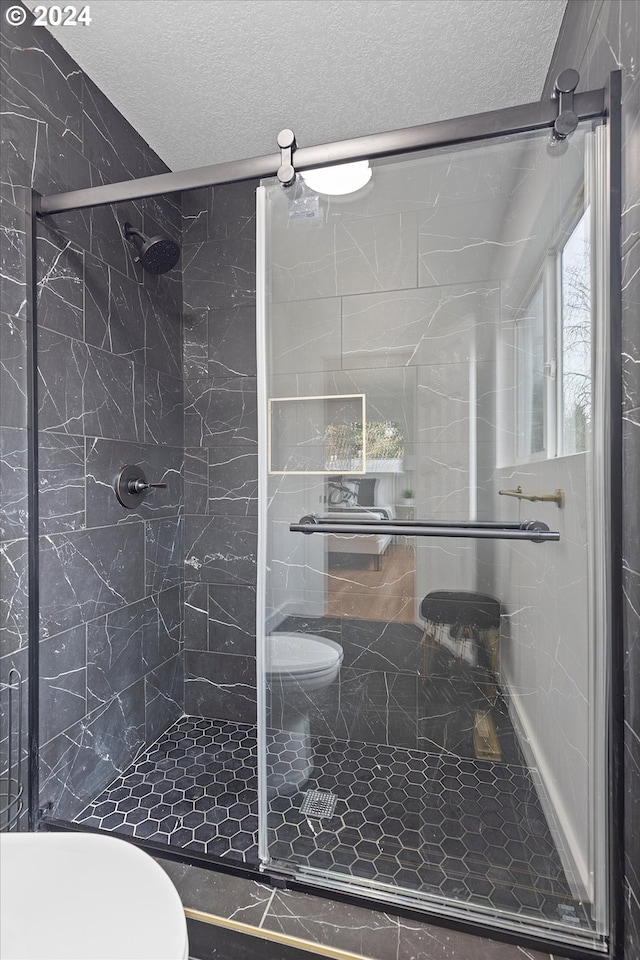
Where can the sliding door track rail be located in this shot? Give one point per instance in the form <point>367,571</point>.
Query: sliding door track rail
<point>524,118</point>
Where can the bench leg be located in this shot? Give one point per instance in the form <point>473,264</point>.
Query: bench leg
<point>489,651</point>
<point>429,645</point>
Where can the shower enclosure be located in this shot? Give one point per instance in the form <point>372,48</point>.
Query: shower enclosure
<point>435,671</point>
<point>441,331</point>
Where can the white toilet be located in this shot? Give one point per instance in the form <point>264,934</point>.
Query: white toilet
<point>298,665</point>
<point>83,896</point>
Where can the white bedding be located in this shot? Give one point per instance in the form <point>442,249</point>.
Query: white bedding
<point>366,543</point>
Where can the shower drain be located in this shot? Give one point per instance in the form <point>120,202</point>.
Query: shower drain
<point>318,803</point>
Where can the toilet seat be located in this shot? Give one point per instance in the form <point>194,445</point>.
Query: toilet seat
<point>303,655</point>
<point>86,897</point>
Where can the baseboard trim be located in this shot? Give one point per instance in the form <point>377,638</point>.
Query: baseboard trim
<point>274,936</point>
<point>289,609</point>
<point>573,864</point>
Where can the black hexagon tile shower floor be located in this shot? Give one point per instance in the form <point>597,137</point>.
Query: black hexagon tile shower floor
<point>196,787</point>
<point>471,830</point>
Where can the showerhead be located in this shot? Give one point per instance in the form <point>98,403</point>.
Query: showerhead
<point>156,254</point>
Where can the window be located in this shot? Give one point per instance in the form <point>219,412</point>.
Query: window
<point>530,378</point>
<point>575,341</point>
<point>553,352</point>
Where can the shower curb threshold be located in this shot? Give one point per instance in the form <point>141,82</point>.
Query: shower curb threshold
<point>273,936</point>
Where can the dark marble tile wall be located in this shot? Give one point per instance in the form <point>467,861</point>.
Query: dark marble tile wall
<point>13,489</point>
<point>110,393</point>
<point>599,36</point>
<point>221,459</point>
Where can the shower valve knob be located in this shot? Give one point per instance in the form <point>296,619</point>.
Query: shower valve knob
<point>131,486</point>
<point>139,486</point>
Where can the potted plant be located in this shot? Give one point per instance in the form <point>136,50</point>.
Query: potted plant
<point>407,497</point>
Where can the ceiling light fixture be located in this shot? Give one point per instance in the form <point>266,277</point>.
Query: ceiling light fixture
<point>337,181</point>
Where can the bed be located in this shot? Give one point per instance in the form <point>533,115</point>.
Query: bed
<point>366,545</point>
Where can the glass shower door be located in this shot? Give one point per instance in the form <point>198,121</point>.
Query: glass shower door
<point>429,619</point>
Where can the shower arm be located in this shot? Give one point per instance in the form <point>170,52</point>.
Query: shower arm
<point>533,530</point>
<point>130,231</point>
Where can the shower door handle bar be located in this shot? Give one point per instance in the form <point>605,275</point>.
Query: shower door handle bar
<point>467,524</point>
<point>537,532</point>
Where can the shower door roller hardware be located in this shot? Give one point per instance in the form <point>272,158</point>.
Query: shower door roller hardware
<point>287,143</point>
<point>131,486</point>
<point>534,530</point>
<point>567,119</point>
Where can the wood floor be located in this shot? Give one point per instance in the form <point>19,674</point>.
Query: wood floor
<point>355,589</point>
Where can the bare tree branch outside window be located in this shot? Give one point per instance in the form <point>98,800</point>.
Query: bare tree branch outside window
<point>576,339</point>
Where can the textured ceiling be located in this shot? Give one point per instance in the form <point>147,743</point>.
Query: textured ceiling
<point>206,81</point>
